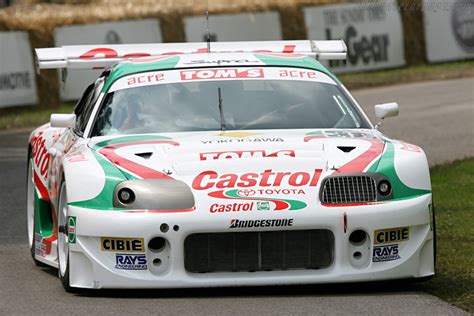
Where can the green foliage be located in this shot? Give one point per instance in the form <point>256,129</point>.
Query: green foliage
<point>29,116</point>
<point>453,187</point>
<point>408,74</point>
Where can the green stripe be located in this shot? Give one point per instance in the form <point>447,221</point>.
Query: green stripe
<point>43,220</point>
<point>113,175</point>
<point>128,68</point>
<point>386,166</point>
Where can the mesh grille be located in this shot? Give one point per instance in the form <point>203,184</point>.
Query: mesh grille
<point>258,251</point>
<point>349,189</point>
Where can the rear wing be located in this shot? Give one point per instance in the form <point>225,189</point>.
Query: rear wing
<point>100,56</point>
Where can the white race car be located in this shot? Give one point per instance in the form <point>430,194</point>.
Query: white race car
<point>250,164</point>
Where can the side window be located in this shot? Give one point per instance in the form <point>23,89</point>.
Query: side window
<point>80,106</point>
<point>86,105</point>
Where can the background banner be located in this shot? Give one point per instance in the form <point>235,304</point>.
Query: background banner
<point>234,27</point>
<point>372,31</point>
<point>126,32</point>
<point>17,73</point>
<point>449,29</point>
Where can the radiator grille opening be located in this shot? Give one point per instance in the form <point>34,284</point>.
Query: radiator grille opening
<point>258,251</point>
<point>348,189</point>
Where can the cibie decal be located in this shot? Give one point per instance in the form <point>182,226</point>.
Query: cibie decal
<point>122,244</point>
<point>385,253</point>
<point>71,229</point>
<point>385,236</point>
<point>222,73</point>
<point>245,154</point>
<point>131,261</point>
<point>236,223</point>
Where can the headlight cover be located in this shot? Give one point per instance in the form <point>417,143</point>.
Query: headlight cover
<point>153,194</point>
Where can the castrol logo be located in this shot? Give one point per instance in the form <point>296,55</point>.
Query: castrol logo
<point>268,178</point>
<point>40,155</point>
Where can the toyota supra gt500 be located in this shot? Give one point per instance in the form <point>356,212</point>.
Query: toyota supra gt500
<point>248,163</point>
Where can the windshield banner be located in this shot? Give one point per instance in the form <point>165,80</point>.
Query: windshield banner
<point>220,74</point>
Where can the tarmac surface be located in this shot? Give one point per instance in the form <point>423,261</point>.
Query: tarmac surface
<point>438,116</point>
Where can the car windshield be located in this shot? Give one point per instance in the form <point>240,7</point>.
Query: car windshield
<point>149,103</point>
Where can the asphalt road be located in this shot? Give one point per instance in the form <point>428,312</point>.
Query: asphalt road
<point>439,116</point>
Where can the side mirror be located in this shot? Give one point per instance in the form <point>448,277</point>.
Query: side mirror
<point>386,110</point>
<point>63,120</point>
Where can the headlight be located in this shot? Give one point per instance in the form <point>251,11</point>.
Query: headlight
<point>384,187</point>
<point>126,196</point>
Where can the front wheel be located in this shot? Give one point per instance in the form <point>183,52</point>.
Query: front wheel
<point>63,240</point>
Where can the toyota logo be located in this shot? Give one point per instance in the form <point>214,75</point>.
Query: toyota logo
<point>246,192</point>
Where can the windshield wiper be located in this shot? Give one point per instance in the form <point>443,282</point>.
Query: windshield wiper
<point>221,112</point>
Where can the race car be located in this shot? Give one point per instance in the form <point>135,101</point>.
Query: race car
<point>223,164</point>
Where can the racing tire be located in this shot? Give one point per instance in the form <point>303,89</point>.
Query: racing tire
<point>30,207</point>
<point>63,241</point>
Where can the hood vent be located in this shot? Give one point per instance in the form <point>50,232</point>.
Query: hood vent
<point>346,149</point>
<point>146,155</point>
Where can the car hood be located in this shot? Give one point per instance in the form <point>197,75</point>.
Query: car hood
<point>232,165</point>
<point>186,154</point>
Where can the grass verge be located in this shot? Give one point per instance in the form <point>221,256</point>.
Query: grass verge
<point>29,116</point>
<point>454,206</point>
<point>409,74</point>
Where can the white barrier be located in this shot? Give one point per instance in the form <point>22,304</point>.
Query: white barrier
<point>125,32</point>
<point>449,29</point>
<point>17,74</point>
<point>262,26</point>
<point>372,31</point>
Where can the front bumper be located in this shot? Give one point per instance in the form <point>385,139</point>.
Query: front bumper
<point>92,267</point>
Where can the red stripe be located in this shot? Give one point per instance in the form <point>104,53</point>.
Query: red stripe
<point>41,188</point>
<point>361,162</point>
<point>309,138</point>
<point>139,170</point>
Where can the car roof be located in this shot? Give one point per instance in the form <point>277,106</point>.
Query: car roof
<point>205,60</point>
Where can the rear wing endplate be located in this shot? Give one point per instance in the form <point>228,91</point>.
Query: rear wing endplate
<point>101,56</point>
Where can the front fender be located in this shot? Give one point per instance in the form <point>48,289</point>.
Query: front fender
<point>406,167</point>
<point>90,178</point>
